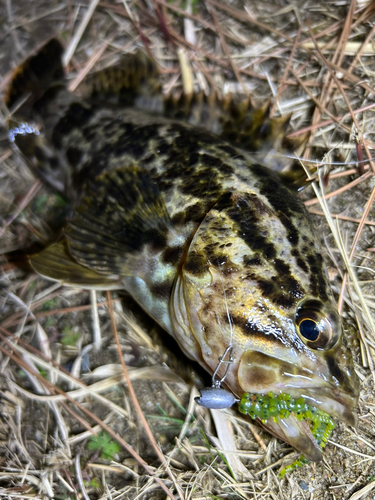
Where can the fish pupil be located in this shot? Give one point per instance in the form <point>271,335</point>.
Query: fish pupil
<point>309,329</point>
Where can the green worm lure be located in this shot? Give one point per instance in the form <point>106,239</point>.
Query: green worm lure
<point>281,406</point>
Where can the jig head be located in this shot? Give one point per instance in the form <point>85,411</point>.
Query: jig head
<point>215,397</point>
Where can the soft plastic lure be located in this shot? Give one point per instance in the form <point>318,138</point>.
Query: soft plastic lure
<point>281,406</point>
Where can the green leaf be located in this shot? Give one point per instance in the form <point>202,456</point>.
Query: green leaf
<point>104,443</point>
<point>41,203</point>
<point>69,336</point>
<point>43,372</point>
<point>49,305</point>
<point>50,321</point>
<point>59,201</point>
<point>94,483</point>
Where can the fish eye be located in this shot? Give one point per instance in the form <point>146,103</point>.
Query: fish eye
<point>317,325</point>
<point>309,329</point>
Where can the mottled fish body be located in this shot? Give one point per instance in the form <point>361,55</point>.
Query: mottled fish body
<point>206,238</point>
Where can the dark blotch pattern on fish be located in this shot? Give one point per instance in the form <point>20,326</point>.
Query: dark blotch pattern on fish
<point>246,215</point>
<point>282,200</point>
<point>282,289</point>
<point>161,290</point>
<point>252,261</point>
<point>178,219</point>
<point>172,255</point>
<point>250,329</point>
<point>76,117</point>
<point>196,263</point>
<point>317,277</point>
<point>196,212</point>
<point>300,261</point>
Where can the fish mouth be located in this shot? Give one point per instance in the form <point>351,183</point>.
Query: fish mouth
<point>335,403</point>
<point>297,419</point>
<point>261,375</point>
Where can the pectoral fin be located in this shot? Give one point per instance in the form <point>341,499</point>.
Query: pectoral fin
<point>56,263</point>
<point>119,225</point>
<point>121,216</point>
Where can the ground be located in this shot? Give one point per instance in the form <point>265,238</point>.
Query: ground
<point>311,59</point>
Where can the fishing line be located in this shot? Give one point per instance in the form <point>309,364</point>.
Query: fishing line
<point>317,162</point>
<point>215,397</point>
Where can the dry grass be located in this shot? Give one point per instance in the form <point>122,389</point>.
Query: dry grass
<point>63,377</point>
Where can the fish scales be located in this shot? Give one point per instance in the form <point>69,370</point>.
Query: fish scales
<point>205,237</point>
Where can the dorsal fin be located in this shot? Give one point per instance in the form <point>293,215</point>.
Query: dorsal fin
<point>239,122</point>
<point>131,82</point>
<point>134,82</point>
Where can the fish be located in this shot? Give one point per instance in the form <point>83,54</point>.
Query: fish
<point>173,202</point>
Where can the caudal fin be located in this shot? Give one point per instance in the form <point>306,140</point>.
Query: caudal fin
<point>32,78</point>
<point>31,98</point>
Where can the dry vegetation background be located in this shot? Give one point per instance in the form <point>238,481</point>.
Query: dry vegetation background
<point>61,376</point>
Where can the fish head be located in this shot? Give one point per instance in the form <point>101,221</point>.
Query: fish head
<point>245,284</point>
